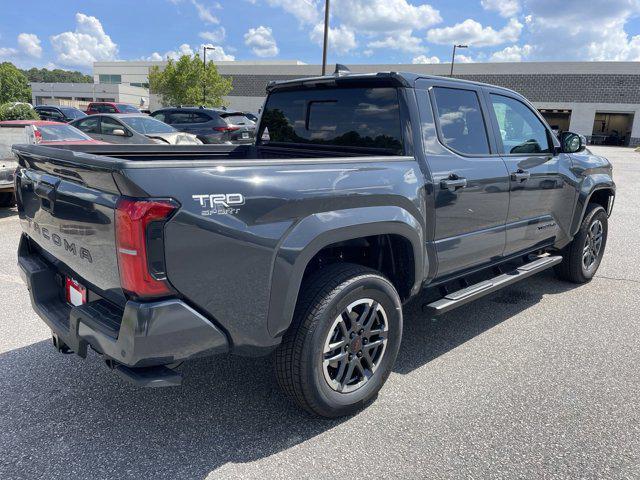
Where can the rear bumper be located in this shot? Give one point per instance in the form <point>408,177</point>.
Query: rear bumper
<point>141,335</point>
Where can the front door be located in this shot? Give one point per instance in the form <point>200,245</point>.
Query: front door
<point>470,181</point>
<point>539,194</point>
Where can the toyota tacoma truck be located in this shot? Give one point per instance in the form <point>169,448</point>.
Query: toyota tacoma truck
<point>361,192</point>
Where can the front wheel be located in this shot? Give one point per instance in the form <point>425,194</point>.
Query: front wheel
<point>343,341</point>
<point>582,257</point>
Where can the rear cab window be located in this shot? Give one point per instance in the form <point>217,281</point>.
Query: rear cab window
<point>367,118</point>
<point>462,125</point>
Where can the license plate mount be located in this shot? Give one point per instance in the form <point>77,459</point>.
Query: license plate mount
<point>74,292</point>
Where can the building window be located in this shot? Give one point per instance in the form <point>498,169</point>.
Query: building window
<point>136,84</point>
<point>111,79</point>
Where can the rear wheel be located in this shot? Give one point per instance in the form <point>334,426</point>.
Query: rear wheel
<point>582,257</point>
<point>7,199</point>
<point>343,341</point>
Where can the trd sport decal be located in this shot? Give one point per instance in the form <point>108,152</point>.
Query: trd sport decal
<point>219,203</point>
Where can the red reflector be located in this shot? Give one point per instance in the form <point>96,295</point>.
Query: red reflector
<point>132,219</point>
<point>226,129</point>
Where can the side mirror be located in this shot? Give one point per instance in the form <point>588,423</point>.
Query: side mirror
<point>572,142</point>
<point>119,132</point>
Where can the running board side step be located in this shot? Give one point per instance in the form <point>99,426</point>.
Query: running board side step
<point>473,292</point>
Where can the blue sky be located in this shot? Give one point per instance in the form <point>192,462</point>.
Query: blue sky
<point>73,34</point>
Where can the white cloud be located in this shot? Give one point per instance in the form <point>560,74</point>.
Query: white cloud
<point>214,36</point>
<point>306,11</point>
<point>474,34</point>
<point>341,39</point>
<point>8,51</point>
<point>578,33</point>
<point>425,59</point>
<point>384,16</point>
<point>185,49</point>
<point>506,8</point>
<point>87,44</point>
<point>29,44</point>
<point>515,53</point>
<point>261,41</point>
<point>204,13</point>
<point>402,41</point>
<point>464,59</point>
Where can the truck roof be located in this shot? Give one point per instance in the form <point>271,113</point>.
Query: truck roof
<point>391,79</point>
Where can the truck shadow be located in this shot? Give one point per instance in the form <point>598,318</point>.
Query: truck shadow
<point>8,212</point>
<point>62,414</point>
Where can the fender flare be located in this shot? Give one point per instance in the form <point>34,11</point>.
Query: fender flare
<point>590,185</point>
<point>317,231</point>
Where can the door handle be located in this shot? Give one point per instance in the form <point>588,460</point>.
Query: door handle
<point>520,176</point>
<point>453,183</point>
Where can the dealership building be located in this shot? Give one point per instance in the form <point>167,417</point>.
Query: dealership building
<point>600,100</point>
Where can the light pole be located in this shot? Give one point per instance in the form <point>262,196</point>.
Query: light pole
<point>204,77</point>
<point>453,56</point>
<point>326,37</point>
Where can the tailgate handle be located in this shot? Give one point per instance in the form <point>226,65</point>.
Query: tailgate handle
<point>47,193</point>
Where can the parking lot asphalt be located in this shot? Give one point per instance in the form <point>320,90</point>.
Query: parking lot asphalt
<point>540,380</point>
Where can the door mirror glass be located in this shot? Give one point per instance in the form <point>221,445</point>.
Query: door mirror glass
<point>572,142</point>
<point>118,131</point>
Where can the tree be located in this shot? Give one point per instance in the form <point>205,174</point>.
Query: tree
<point>56,76</point>
<point>14,86</point>
<point>20,111</point>
<point>181,82</point>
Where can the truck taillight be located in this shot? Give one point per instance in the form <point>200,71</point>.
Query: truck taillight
<point>139,243</point>
<point>226,129</point>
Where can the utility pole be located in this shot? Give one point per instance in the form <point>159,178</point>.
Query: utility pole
<point>204,77</point>
<point>453,56</point>
<point>326,37</point>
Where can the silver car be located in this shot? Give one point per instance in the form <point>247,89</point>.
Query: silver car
<point>132,129</point>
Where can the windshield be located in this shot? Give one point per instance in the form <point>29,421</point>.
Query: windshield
<point>345,117</point>
<point>124,108</point>
<point>73,112</point>
<point>146,125</point>
<point>238,120</point>
<point>61,133</point>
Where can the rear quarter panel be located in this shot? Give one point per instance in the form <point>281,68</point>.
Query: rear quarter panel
<point>224,263</point>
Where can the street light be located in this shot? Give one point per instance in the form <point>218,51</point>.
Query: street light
<point>326,37</point>
<point>204,78</point>
<point>453,56</point>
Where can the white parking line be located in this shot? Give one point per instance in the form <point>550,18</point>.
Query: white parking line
<point>11,279</point>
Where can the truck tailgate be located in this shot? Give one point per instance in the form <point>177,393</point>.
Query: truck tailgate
<point>71,220</point>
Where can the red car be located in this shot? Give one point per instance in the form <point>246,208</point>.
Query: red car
<point>110,107</point>
<point>51,133</point>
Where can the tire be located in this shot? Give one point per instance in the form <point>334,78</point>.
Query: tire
<point>303,366</point>
<point>573,268</point>
<point>7,199</point>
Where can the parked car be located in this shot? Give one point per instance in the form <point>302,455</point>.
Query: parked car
<point>59,114</point>
<point>251,116</point>
<point>367,190</point>
<point>131,128</point>
<point>208,124</point>
<point>30,131</point>
<point>110,107</point>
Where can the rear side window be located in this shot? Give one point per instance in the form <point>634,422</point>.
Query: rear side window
<point>520,129</point>
<point>346,117</point>
<point>89,125</point>
<point>461,122</point>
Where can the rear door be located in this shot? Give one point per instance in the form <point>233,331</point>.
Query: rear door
<point>470,178</point>
<point>539,194</point>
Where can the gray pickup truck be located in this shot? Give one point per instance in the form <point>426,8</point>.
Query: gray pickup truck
<point>360,192</point>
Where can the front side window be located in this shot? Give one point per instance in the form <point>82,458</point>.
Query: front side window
<point>461,122</point>
<point>109,125</point>
<point>180,118</point>
<point>520,129</point>
<point>342,117</point>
